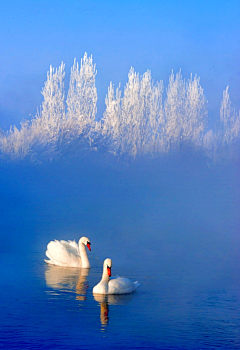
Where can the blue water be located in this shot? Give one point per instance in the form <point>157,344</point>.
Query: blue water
<point>173,226</point>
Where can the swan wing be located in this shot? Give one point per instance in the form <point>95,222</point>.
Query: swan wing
<point>71,246</point>
<point>58,254</point>
<point>121,285</point>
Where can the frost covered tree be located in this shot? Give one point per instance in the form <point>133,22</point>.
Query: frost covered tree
<point>229,132</point>
<point>16,143</point>
<point>44,132</point>
<point>151,117</point>
<point>195,117</point>
<point>185,112</point>
<point>132,123</point>
<point>130,116</point>
<point>120,117</point>
<point>175,110</point>
<point>223,142</point>
<point>229,120</point>
<point>156,121</point>
<point>47,125</point>
<point>81,98</point>
<point>111,123</point>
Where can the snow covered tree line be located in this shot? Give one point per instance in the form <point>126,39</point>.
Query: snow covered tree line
<point>136,122</point>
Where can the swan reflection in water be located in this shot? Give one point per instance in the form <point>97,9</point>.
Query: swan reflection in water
<point>105,300</point>
<point>65,279</point>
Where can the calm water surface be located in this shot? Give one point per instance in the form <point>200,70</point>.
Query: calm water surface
<point>180,240</point>
<point>184,304</point>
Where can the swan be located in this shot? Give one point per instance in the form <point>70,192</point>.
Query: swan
<point>119,285</point>
<point>70,254</point>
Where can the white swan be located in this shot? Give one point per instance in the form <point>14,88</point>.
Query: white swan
<point>119,285</point>
<point>71,254</point>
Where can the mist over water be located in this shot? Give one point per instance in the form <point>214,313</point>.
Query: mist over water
<point>170,223</point>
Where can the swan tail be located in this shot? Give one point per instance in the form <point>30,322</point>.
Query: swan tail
<point>50,262</point>
<point>47,254</point>
<point>137,284</point>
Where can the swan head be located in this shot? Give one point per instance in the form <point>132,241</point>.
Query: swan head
<point>107,265</point>
<point>86,242</point>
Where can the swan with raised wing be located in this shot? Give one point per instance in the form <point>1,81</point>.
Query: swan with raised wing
<point>119,285</point>
<point>69,254</point>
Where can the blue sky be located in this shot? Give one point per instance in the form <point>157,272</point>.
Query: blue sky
<point>200,37</point>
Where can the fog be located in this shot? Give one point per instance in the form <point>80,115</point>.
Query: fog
<point>176,204</point>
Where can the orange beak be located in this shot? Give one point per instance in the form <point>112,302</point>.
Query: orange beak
<point>109,271</point>
<point>89,246</point>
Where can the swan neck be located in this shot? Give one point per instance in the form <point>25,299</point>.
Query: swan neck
<point>83,255</point>
<point>105,277</point>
